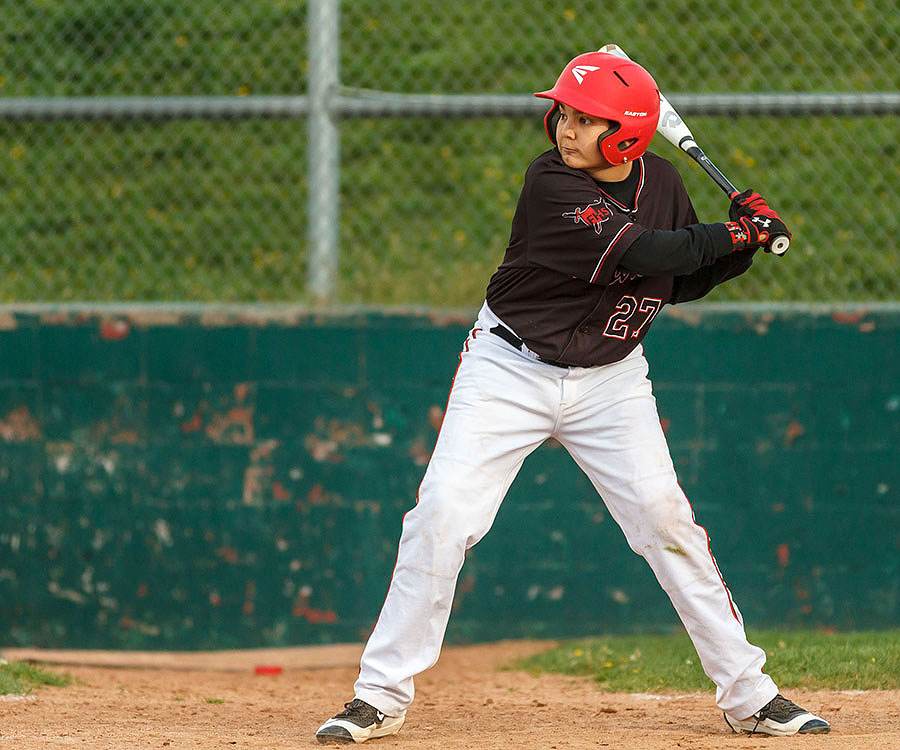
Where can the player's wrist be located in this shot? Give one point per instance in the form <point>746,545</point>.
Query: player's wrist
<point>744,235</point>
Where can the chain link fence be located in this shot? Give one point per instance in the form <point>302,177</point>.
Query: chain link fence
<point>209,201</point>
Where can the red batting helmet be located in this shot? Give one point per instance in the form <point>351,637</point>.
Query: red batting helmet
<point>617,90</point>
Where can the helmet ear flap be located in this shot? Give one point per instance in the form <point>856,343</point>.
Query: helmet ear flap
<point>550,121</point>
<point>608,153</point>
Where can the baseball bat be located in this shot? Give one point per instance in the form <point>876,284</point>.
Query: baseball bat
<point>674,129</point>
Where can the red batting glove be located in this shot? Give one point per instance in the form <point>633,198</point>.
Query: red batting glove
<point>753,223</point>
<point>745,204</point>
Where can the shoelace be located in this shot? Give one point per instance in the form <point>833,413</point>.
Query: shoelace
<point>766,710</point>
<point>350,707</point>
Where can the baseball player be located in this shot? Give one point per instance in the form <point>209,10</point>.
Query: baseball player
<point>603,236</point>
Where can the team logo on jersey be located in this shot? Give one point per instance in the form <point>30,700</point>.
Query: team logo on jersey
<point>623,277</point>
<point>592,215</point>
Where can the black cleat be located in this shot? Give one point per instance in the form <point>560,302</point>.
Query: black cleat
<point>780,718</point>
<point>358,722</point>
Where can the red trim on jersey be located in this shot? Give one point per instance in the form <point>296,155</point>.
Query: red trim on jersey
<point>608,250</point>
<point>637,192</point>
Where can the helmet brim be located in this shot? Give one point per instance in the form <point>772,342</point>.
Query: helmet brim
<point>582,103</point>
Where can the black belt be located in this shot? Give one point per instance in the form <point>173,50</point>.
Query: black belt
<point>510,338</point>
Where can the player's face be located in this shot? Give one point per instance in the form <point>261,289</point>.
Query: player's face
<point>576,137</point>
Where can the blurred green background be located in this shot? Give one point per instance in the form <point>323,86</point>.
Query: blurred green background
<point>215,210</point>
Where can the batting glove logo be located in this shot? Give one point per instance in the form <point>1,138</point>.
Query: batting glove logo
<point>592,215</point>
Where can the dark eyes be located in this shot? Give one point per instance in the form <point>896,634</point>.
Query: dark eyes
<point>582,120</point>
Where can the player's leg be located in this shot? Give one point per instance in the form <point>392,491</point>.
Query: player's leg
<point>613,433</point>
<point>500,409</point>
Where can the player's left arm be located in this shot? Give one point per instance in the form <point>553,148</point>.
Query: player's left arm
<point>684,251</point>
<point>677,252</point>
<point>752,224</point>
<point>702,282</point>
<point>680,244</point>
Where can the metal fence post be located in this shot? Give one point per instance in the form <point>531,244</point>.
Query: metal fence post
<point>324,150</point>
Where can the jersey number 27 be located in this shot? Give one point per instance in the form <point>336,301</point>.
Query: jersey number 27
<point>631,317</point>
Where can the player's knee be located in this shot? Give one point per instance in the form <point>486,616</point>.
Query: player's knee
<point>438,531</point>
<point>665,516</point>
<point>457,505</point>
<point>453,522</point>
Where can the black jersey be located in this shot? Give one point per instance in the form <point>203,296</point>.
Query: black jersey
<point>561,286</point>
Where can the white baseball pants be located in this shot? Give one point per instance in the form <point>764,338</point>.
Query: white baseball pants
<point>503,404</point>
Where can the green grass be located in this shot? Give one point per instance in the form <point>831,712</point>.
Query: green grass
<point>20,678</point>
<point>165,47</point>
<point>216,211</point>
<point>795,659</point>
<point>193,211</point>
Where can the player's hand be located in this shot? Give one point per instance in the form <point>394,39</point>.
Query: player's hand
<point>753,223</point>
<point>745,204</point>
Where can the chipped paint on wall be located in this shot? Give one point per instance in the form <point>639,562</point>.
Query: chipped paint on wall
<point>19,426</point>
<point>234,478</point>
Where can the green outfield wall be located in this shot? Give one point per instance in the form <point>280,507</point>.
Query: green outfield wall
<point>191,478</point>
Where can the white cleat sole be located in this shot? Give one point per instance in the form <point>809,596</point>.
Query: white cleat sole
<point>341,731</point>
<point>805,724</point>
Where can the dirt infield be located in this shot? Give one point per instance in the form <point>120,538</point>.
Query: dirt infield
<point>216,700</point>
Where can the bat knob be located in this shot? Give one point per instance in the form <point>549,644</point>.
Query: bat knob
<point>780,245</point>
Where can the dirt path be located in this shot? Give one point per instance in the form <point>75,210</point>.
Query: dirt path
<point>204,701</point>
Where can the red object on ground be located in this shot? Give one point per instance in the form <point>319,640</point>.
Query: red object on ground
<point>267,669</point>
